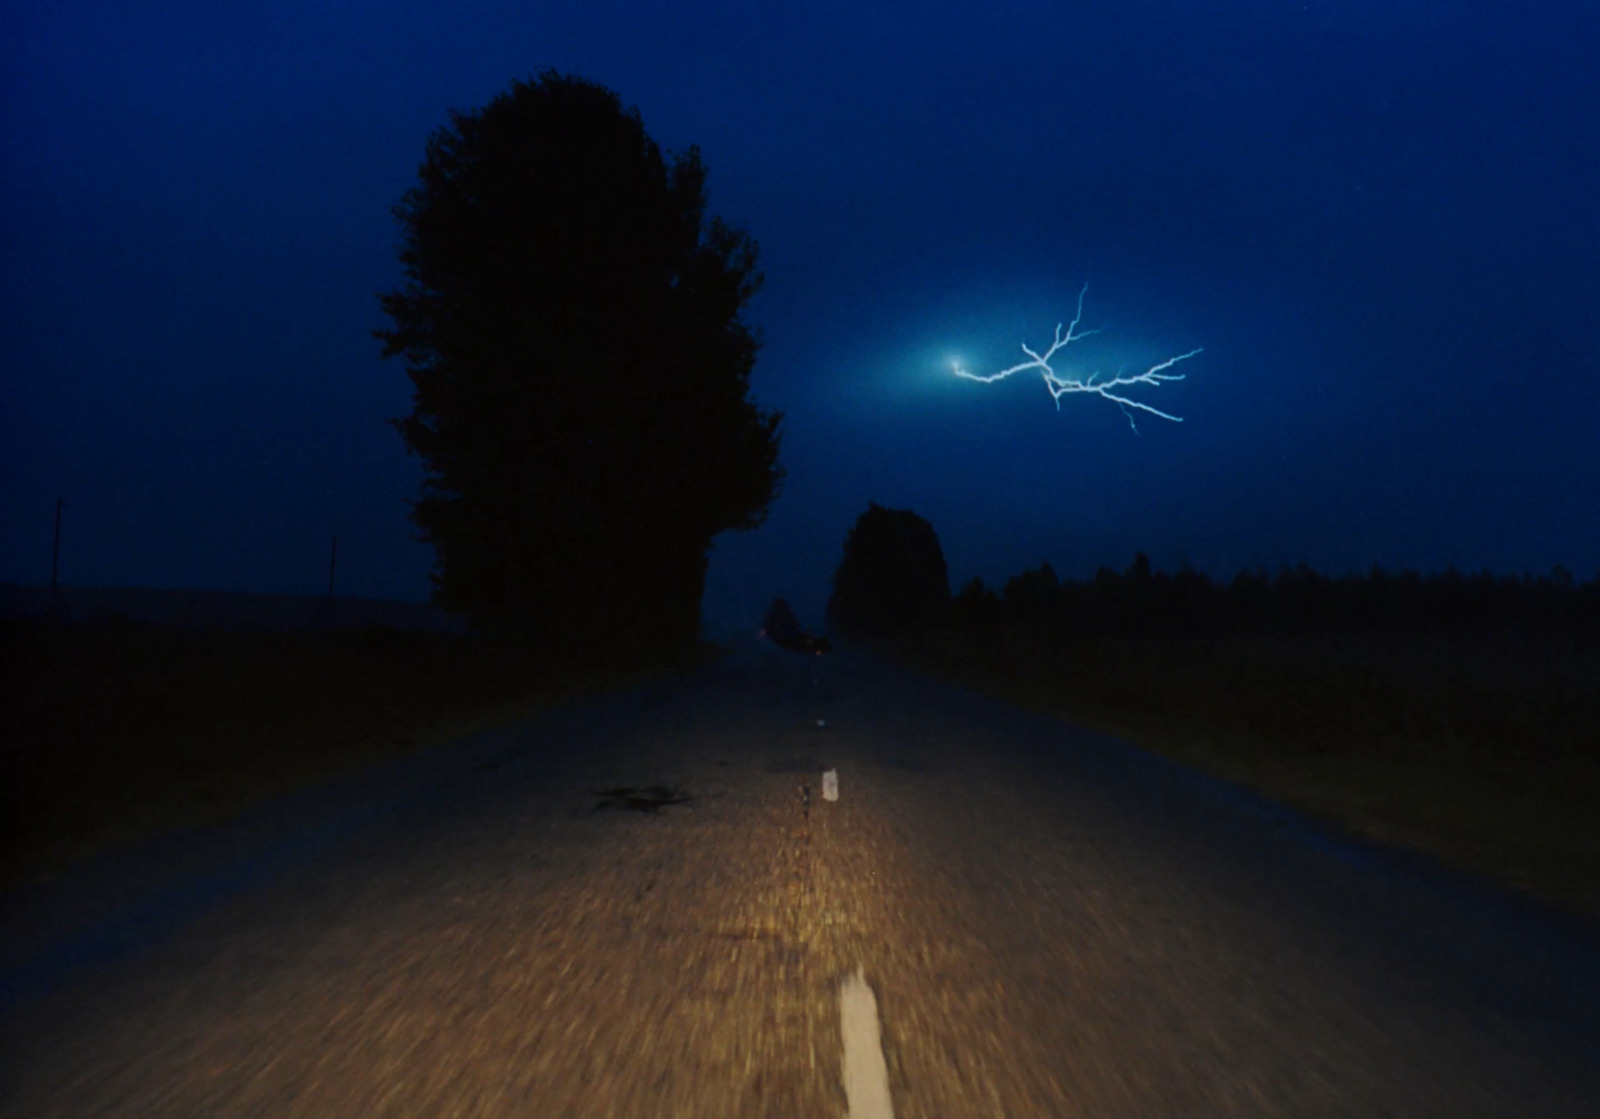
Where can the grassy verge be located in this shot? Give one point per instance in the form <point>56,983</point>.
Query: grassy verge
<point>117,732</point>
<point>1485,754</point>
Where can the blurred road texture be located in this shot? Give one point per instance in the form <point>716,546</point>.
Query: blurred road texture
<point>642,906</point>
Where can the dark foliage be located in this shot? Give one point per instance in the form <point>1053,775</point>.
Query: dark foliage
<point>892,579</point>
<point>780,622</point>
<point>1296,601</point>
<point>782,628</point>
<point>571,324</point>
<point>119,729</point>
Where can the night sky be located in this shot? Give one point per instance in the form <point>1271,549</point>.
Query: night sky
<point>1380,218</point>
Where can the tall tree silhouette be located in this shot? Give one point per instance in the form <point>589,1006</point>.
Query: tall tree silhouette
<point>571,322</point>
<point>892,579</point>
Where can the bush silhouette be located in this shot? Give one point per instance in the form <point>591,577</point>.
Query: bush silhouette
<point>782,628</point>
<point>892,579</point>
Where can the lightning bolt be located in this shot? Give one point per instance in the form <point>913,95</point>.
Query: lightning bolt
<point>1060,386</point>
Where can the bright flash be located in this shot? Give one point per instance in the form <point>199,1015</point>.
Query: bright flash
<point>1060,386</point>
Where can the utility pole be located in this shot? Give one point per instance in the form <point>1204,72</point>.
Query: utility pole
<point>55,563</point>
<point>333,563</point>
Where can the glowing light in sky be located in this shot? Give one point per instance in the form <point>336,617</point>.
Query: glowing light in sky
<point>1060,386</point>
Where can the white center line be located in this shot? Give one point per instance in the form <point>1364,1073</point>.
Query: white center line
<point>866,1077</point>
<point>830,785</point>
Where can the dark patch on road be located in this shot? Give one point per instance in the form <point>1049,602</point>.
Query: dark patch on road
<point>652,798</point>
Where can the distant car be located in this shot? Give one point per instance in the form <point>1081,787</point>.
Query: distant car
<point>782,628</point>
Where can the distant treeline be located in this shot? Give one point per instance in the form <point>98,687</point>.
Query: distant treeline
<point>1293,601</point>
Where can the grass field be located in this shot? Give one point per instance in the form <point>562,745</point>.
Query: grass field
<point>118,731</point>
<point>1483,753</point>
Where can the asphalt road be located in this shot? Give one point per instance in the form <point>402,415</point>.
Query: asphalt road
<point>1048,924</point>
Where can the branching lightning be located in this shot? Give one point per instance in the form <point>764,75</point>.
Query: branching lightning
<point>1060,386</point>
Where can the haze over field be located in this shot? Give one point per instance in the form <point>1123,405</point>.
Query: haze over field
<point>1380,220</point>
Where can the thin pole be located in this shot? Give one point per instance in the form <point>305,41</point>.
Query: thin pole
<point>333,563</point>
<point>55,562</point>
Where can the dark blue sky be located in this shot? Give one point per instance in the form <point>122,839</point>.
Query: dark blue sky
<point>1381,218</point>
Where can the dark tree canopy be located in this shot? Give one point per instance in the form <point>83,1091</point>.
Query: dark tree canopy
<point>892,579</point>
<point>780,624</point>
<point>782,628</point>
<point>571,324</point>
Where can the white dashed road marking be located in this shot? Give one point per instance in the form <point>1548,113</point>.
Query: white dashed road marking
<point>830,785</point>
<point>866,1077</point>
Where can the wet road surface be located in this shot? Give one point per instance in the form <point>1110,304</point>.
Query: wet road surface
<point>645,907</point>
